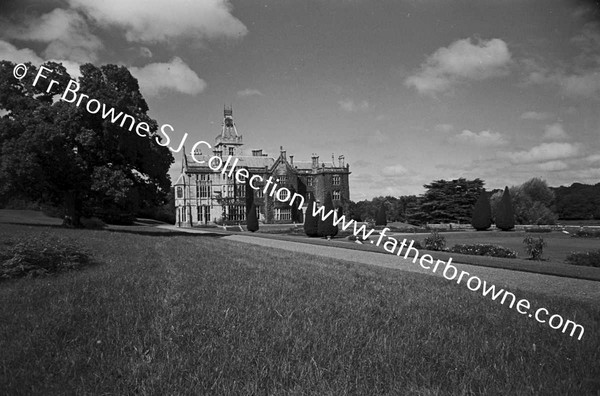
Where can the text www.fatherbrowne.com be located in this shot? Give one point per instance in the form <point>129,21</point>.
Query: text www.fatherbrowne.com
<point>450,272</point>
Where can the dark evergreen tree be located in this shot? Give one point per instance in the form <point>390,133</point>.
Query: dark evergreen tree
<point>505,216</point>
<point>63,155</point>
<point>449,201</point>
<point>482,213</point>
<point>249,193</point>
<point>296,212</point>
<point>252,219</point>
<point>311,223</point>
<point>325,227</point>
<point>381,219</point>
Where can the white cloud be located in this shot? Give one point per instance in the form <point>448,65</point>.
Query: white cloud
<point>594,158</point>
<point>555,132</point>
<point>553,166</point>
<point>537,116</point>
<point>443,128</point>
<point>544,152</point>
<point>394,170</point>
<point>173,76</point>
<point>249,92</point>
<point>586,84</point>
<point>11,53</point>
<point>460,61</point>
<point>160,21</point>
<point>350,106</point>
<point>483,138</point>
<point>66,33</point>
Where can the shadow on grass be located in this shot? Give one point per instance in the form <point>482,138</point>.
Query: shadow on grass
<point>168,233</point>
<point>138,230</point>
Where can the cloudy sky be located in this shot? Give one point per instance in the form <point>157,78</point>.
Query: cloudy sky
<point>409,91</point>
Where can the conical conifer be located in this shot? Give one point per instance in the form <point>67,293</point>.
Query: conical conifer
<point>311,222</point>
<point>326,227</point>
<point>505,215</point>
<point>252,220</point>
<point>381,218</point>
<point>482,213</point>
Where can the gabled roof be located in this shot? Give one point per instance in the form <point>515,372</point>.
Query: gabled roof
<point>180,180</point>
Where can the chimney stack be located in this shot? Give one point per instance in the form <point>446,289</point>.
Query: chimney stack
<point>315,161</point>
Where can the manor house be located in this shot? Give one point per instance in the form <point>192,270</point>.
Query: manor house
<point>205,196</point>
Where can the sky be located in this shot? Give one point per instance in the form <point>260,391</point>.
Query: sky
<point>409,91</point>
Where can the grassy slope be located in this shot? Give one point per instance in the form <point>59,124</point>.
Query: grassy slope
<point>194,314</point>
<point>561,244</point>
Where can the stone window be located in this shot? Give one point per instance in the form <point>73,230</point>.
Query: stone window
<point>283,214</point>
<point>336,194</point>
<point>336,180</point>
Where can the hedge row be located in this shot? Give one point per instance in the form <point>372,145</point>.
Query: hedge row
<point>484,250</point>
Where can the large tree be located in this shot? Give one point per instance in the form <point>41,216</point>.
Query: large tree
<point>578,201</point>
<point>60,153</point>
<point>449,201</point>
<point>533,203</point>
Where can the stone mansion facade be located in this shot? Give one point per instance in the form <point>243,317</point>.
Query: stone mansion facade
<point>206,196</point>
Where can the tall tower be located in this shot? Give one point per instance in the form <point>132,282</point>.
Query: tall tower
<point>228,142</point>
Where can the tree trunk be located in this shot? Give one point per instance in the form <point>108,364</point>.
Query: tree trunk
<point>72,206</point>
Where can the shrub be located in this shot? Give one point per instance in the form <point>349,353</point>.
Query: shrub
<point>92,223</point>
<point>534,247</point>
<point>484,250</point>
<point>435,241</point>
<point>482,213</point>
<point>326,227</point>
<point>39,256</point>
<point>505,216</point>
<point>538,229</point>
<point>588,233</point>
<point>252,220</point>
<point>588,259</point>
<point>381,218</point>
<point>311,223</point>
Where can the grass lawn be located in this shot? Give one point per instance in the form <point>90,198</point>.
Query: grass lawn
<point>193,314</point>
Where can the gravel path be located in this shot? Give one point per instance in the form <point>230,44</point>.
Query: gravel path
<point>525,283</point>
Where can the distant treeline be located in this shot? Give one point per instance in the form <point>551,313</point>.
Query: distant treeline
<point>578,201</point>
<point>452,201</point>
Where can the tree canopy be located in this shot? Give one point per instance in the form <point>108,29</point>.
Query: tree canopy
<point>578,201</point>
<point>56,152</point>
<point>533,202</point>
<point>450,201</point>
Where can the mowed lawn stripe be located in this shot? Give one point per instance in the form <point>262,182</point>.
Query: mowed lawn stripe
<point>200,315</point>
